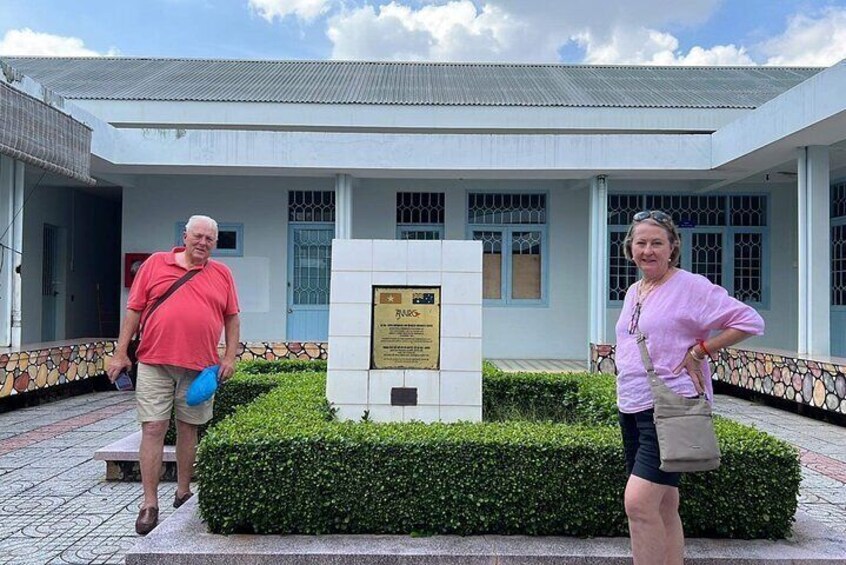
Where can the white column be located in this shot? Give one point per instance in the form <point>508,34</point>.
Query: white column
<point>343,206</point>
<point>17,254</point>
<point>814,252</point>
<point>598,259</point>
<point>7,191</point>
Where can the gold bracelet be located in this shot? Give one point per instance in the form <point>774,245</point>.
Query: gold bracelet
<point>693,354</point>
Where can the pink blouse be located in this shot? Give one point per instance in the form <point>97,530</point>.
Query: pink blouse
<point>684,309</point>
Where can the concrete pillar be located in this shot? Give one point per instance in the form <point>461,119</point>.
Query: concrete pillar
<point>17,254</point>
<point>343,206</point>
<point>598,259</point>
<point>7,259</point>
<point>814,252</point>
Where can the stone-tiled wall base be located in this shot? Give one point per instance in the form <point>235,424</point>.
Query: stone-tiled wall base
<point>37,369</point>
<point>821,385</point>
<point>57,364</point>
<point>273,351</point>
<point>602,358</point>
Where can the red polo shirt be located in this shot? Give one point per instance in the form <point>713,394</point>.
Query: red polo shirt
<point>185,330</point>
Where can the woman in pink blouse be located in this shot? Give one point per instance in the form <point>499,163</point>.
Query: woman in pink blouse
<point>687,319</point>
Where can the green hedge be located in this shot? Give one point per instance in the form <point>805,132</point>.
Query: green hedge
<point>563,398</point>
<point>261,367</point>
<point>278,466</point>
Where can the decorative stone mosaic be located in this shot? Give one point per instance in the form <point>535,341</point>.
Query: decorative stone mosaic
<point>273,351</point>
<point>25,371</point>
<point>57,364</point>
<point>804,381</point>
<point>602,358</point>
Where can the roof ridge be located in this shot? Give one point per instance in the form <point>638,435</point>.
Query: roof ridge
<point>329,62</point>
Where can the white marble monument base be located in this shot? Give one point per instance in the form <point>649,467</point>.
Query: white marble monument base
<point>451,393</point>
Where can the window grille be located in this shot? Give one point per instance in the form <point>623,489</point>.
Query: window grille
<point>748,266</point>
<point>838,265</point>
<point>690,210</point>
<point>707,224</point>
<point>311,206</point>
<point>506,208</point>
<point>622,207</point>
<point>312,266</point>
<point>748,211</point>
<point>424,235</point>
<point>838,200</point>
<point>706,255</point>
<point>622,273</point>
<point>420,208</point>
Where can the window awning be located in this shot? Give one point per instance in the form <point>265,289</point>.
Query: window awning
<point>40,135</point>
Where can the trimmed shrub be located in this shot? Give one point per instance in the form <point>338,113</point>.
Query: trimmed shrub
<point>754,493</point>
<point>261,367</point>
<point>488,368</point>
<point>278,466</point>
<point>538,397</point>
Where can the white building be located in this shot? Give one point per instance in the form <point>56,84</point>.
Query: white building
<point>543,163</point>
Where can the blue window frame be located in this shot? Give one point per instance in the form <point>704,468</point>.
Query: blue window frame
<point>724,238</point>
<point>512,229</point>
<point>230,239</point>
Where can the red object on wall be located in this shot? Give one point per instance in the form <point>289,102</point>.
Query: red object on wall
<point>131,264</point>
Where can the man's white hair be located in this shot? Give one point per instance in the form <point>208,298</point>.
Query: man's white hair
<point>200,219</point>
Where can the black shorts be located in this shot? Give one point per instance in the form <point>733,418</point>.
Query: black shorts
<point>643,458</point>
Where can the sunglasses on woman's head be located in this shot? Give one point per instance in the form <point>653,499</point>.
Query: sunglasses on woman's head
<point>656,215</point>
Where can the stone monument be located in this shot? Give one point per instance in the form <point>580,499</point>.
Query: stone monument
<point>405,330</point>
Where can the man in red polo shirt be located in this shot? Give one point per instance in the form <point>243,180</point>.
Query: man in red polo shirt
<point>179,340</point>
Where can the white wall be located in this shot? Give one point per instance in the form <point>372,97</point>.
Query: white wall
<point>89,256</point>
<point>780,314</point>
<point>46,205</point>
<point>556,329</point>
<point>152,208</point>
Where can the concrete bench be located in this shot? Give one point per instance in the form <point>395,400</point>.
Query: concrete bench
<point>122,460</point>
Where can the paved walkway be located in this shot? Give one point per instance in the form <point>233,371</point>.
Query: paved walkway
<point>55,506</point>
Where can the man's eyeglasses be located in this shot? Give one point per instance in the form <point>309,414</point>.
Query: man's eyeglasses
<point>656,215</point>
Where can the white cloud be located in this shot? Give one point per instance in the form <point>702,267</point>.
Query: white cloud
<point>523,30</point>
<point>604,31</point>
<point>819,41</point>
<point>455,31</point>
<point>25,42</point>
<point>306,10</point>
<point>644,46</point>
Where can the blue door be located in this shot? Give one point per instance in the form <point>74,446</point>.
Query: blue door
<point>309,267</point>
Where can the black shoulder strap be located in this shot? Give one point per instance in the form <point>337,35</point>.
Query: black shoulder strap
<point>173,288</point>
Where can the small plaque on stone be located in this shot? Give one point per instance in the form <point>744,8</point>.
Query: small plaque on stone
<point>403,396</point>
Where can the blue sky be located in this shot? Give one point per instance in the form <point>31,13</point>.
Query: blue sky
<point>742,32</point>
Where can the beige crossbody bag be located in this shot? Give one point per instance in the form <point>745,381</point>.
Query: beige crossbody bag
<point>685,426</point>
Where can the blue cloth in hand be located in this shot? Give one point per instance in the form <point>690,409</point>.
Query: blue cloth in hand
<point>203,386</point>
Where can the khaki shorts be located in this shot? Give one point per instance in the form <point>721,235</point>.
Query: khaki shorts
<point>159,387</point>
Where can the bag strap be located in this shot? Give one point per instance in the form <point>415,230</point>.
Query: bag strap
<point>173,288</point>
<point>647,360</point>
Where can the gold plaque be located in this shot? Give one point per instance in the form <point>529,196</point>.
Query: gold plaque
<point>406,328</point>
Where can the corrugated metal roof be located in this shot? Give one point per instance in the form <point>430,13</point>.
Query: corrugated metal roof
<point>457,84</point>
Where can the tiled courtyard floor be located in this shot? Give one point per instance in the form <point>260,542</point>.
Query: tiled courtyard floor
<point>56,507</point>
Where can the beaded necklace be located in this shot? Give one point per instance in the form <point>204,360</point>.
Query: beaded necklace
<point>643,293</point>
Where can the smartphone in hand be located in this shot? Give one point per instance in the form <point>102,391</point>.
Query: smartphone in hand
<point>124,382</point>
